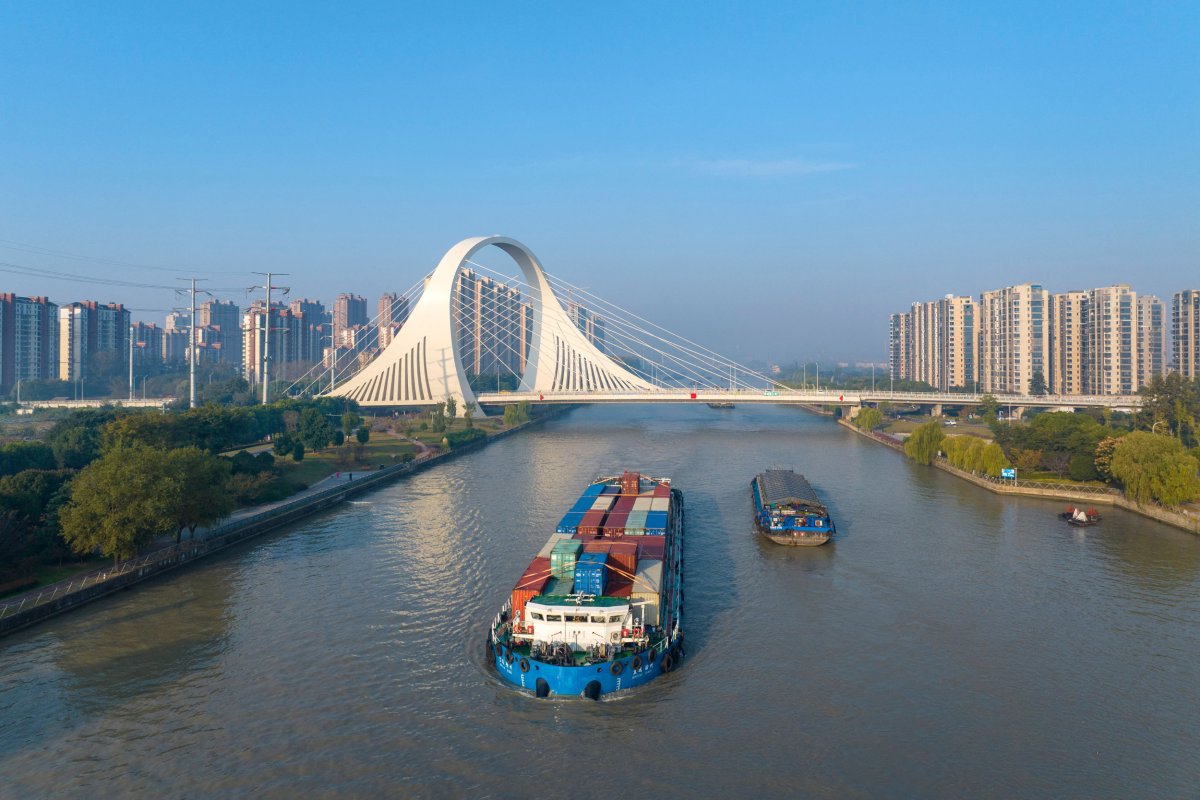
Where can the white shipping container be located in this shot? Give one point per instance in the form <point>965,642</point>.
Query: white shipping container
<point>643,504</point>
<point>603,503</point>
<point>647,589</point>
<point>661,504</point>
<point>555,538</point>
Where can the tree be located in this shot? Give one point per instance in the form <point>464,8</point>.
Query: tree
<point>1155,468</point>
<point>119,503</point>
<point>1174,401</point>
<point>989,407</point>
<point>298,451</point>
<point>868,419</point>
<point>284,444</point>
<point>351,421</point>
<point>1037,383</point>
<point>437,417</point>
<point>992,460</point>
<point>510,415</point>
<point>17,457</point>
<point>314,430</point>
<point>199,494</point>
<point>339,438</point>
<point>469,412</point>
<point>1103,459</point>
<point>363,434</point>
<point>1026,460</point>
<point>451,408</point>
<point>922,445</point>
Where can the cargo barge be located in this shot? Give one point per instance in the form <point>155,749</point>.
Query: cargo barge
<point>788,511</point>
<point>600,609</point>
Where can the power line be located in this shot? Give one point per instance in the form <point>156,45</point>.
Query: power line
<point>9,244</point>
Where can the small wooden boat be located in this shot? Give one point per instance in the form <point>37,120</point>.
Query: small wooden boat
<point>722,405</point>
<point>1079,517</point>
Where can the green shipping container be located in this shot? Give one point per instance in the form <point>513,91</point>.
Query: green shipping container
<point>563,556</point>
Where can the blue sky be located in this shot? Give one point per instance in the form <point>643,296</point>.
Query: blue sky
<point>772,179</point>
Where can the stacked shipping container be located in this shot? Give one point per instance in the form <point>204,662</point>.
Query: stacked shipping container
<point>616,549</point>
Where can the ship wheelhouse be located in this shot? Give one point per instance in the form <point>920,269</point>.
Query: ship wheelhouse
<point>581,625</point>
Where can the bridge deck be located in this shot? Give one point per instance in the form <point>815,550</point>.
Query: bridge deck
<point>833,397</point>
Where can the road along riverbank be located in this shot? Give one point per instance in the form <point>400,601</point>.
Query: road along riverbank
<point>32,607</point>
<point>1095,495</point>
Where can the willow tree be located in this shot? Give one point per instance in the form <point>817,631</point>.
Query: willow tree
<point>922,446</point>
<point>1155,468</point>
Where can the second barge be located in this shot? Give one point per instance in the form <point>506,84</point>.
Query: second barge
<point>788,511</point>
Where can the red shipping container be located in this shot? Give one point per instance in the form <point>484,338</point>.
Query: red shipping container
<point>614,523</point>
<point>622,554</point>
<point>591,522</point>
<point>662,490</point>
<point>630,482</point>
<point>624,504</point>
<point>531,584</point>
<point>618,586</point>
<point>652,547</point>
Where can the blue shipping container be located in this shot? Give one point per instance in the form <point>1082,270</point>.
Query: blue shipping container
<point>591,573</point>
<point>570,522</point>
<point>656,520</point>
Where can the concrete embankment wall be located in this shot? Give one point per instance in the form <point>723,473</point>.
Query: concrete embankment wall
<point>33,607</point>
<point>1107,497</point>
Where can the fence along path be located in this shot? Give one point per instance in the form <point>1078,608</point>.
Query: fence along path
<point>235,529</point>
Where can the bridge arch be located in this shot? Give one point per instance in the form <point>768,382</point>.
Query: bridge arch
<point>422,364</point>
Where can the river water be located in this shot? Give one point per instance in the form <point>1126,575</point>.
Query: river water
<point>948,643</point>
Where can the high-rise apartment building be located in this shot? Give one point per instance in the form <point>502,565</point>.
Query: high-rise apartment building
<point>87,329</point>
<point>494,326</point>
<point>900,347</point>
<point>1013,338</point>
<point>937,343</point>
<point>176,321</point>
<point>147,345</point>
<point>1153,349</point>
<point>393,312</point>
<point>174,345</point>
<point>1066,342</point>
<point>1185,333</point>
<point>1110,363</point>
<point>285,340</point>
<point>314,331</point>
<point>28,340</point>
<point>349,310</point>
<point>219,333</point>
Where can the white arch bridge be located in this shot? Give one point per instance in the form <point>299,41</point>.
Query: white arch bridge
<point>584,350</point>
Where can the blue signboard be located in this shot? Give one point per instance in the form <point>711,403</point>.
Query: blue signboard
<point>1008,473</point>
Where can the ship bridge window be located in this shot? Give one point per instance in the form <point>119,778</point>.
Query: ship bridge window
<point>616,618</point>
<point>535,615</point>
<point>576,617</point>
<point>598,619</point>
<point>553,618</point>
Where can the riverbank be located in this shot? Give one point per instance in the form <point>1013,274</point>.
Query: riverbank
<point>1080,494</point>
<point>22,611</point>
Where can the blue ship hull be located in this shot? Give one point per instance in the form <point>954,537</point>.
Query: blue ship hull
<point>574,681</point>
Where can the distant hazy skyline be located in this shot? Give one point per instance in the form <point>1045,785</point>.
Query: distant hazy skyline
<point>771,180</point>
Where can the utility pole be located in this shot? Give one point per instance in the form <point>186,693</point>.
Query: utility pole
<point>131,361</point>
<point>191,348</point>
<point>266,353</point>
